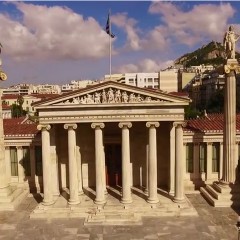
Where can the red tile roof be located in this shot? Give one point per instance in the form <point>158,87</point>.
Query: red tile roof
<point>19,127</point>
<point>210,123</point>
<point>10,96</point>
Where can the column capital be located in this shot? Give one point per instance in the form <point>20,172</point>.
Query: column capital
<point>152,124</point>
<point>179,124</point>
<point>7,147</point>
<point>125,125</point>
<point>70,126</point>
<point>209,143</point>
<point>196,143</point>
<point>19,147</point>
<point>97,125</point>
<point>44,127</point>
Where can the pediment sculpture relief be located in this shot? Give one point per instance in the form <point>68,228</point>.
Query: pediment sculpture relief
<point>110,95</point>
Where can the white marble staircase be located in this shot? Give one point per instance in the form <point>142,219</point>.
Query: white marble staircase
<point>221,196</point>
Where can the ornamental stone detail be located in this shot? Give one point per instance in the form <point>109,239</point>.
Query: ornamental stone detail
<point>110,96</point>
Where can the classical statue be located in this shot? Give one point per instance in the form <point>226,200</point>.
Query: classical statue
<point>3,75</point>
<point>229,42</point>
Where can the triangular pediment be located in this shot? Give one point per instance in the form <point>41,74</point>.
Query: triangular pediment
<point>109,93</point>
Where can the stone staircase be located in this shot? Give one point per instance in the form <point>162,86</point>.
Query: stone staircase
<point>10,201</point>
<point>221,196</point>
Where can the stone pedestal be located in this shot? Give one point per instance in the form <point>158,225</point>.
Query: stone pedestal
<point>225,193</point>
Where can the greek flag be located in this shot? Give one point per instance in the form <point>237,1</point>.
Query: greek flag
<point>108,30</point>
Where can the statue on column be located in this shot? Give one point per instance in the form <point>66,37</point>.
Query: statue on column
<point>3,75</point>
<point>229,42</point>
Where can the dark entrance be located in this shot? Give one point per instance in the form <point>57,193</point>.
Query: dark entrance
<point>113,156</point>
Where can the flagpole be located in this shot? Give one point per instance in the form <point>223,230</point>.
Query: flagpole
<point>110,46</point>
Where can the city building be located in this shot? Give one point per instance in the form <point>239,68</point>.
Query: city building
<point>164,80</point>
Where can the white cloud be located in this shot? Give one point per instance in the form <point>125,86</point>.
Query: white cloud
<point>144,65</point>
<point>52,32</point>
<point>121,20</point>
<point>203,21</point>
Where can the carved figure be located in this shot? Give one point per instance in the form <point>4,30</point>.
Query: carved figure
<point>229,42</point>
<point>132,98</point>
<point>124,97</point>
<point>139,98</point>
<point>104,97</point>
<point>110,96</point>
<point>76,100</point>
<point>89,99</point>
<point>97,97</point>
<point>118,96</point>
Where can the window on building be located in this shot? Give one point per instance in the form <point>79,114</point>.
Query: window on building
<point>131,80</point>
<point>202,157</point>
<point>215,157</point>
<point>38,159</point>
<point>26,102</point>
<point>150,79</point>
<point>26,161</point>
<point>14,161</point>
<point>189,157</point>
<point>156,80</point>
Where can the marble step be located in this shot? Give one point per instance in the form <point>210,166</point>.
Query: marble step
<point>213,201</point>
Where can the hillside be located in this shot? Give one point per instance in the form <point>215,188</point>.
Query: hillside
<point>212,53</point>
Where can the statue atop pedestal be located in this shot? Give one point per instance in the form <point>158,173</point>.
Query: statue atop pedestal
<point>229,42</point>
<point>3,75</point>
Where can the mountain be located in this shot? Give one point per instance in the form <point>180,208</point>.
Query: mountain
<point>211,54</point>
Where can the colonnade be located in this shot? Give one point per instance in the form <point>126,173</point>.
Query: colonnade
<point>126,197</point>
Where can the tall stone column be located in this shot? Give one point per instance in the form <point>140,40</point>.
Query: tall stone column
<point>152,163</point>
<point>172,160</point>
<point>229,134</point>
<point>147,158</point>
<point>47,166</point>
<point>54,161</point>
<point>221,161</point>
<point>179,174</point>
<point>4,181</point>
<point>126,177</point>
<point>72,161</point>
<point>8,163</point>
<point>100,191</point>
<point>79,164</point>
<point>196,162</point>
<point>21,170</point>
<point>209,162</point>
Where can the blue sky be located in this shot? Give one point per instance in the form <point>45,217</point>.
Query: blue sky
<point>56,42</point>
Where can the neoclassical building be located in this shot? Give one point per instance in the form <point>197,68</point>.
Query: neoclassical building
<point>113,134</point>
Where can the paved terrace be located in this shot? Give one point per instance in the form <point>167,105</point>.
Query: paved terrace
<point>210,223</point>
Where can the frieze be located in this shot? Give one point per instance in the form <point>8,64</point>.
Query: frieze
<point>90,118</point>
<point>110,96</point>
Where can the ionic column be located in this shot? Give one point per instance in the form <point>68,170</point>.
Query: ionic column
<point>54,161</point>
<point>147,157</point>
<point>8,163</point>
<point>196,162</point>
<point>209,162</point>
<point>79,163</point>
<point>172,160</point>
<point>72,161</point>
<point>100,191</point>
<point>21,170</point>
<point>179,174</point>
<point>152,163</point>
<point>229,133</point>
<point>126,177</point>
<point>46,162</point>
<point>221,161</point>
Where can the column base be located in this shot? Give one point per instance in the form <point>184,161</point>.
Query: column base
<point>5,192</point>
<point>99,202</point>
<point>179,200</point>
<point>80,193</point>
<point>73,202</point>
<point>152,200</point>
<point>48,203</point>
<point>126,201</point>
<point>106,192</point>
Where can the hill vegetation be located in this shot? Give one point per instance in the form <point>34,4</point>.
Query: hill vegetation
<point>210,54</point>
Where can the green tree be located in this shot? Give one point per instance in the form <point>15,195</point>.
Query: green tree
<point>216,102</point>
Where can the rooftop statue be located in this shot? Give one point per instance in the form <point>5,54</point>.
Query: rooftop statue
<point>229,42</point>
<point>3,75</point>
